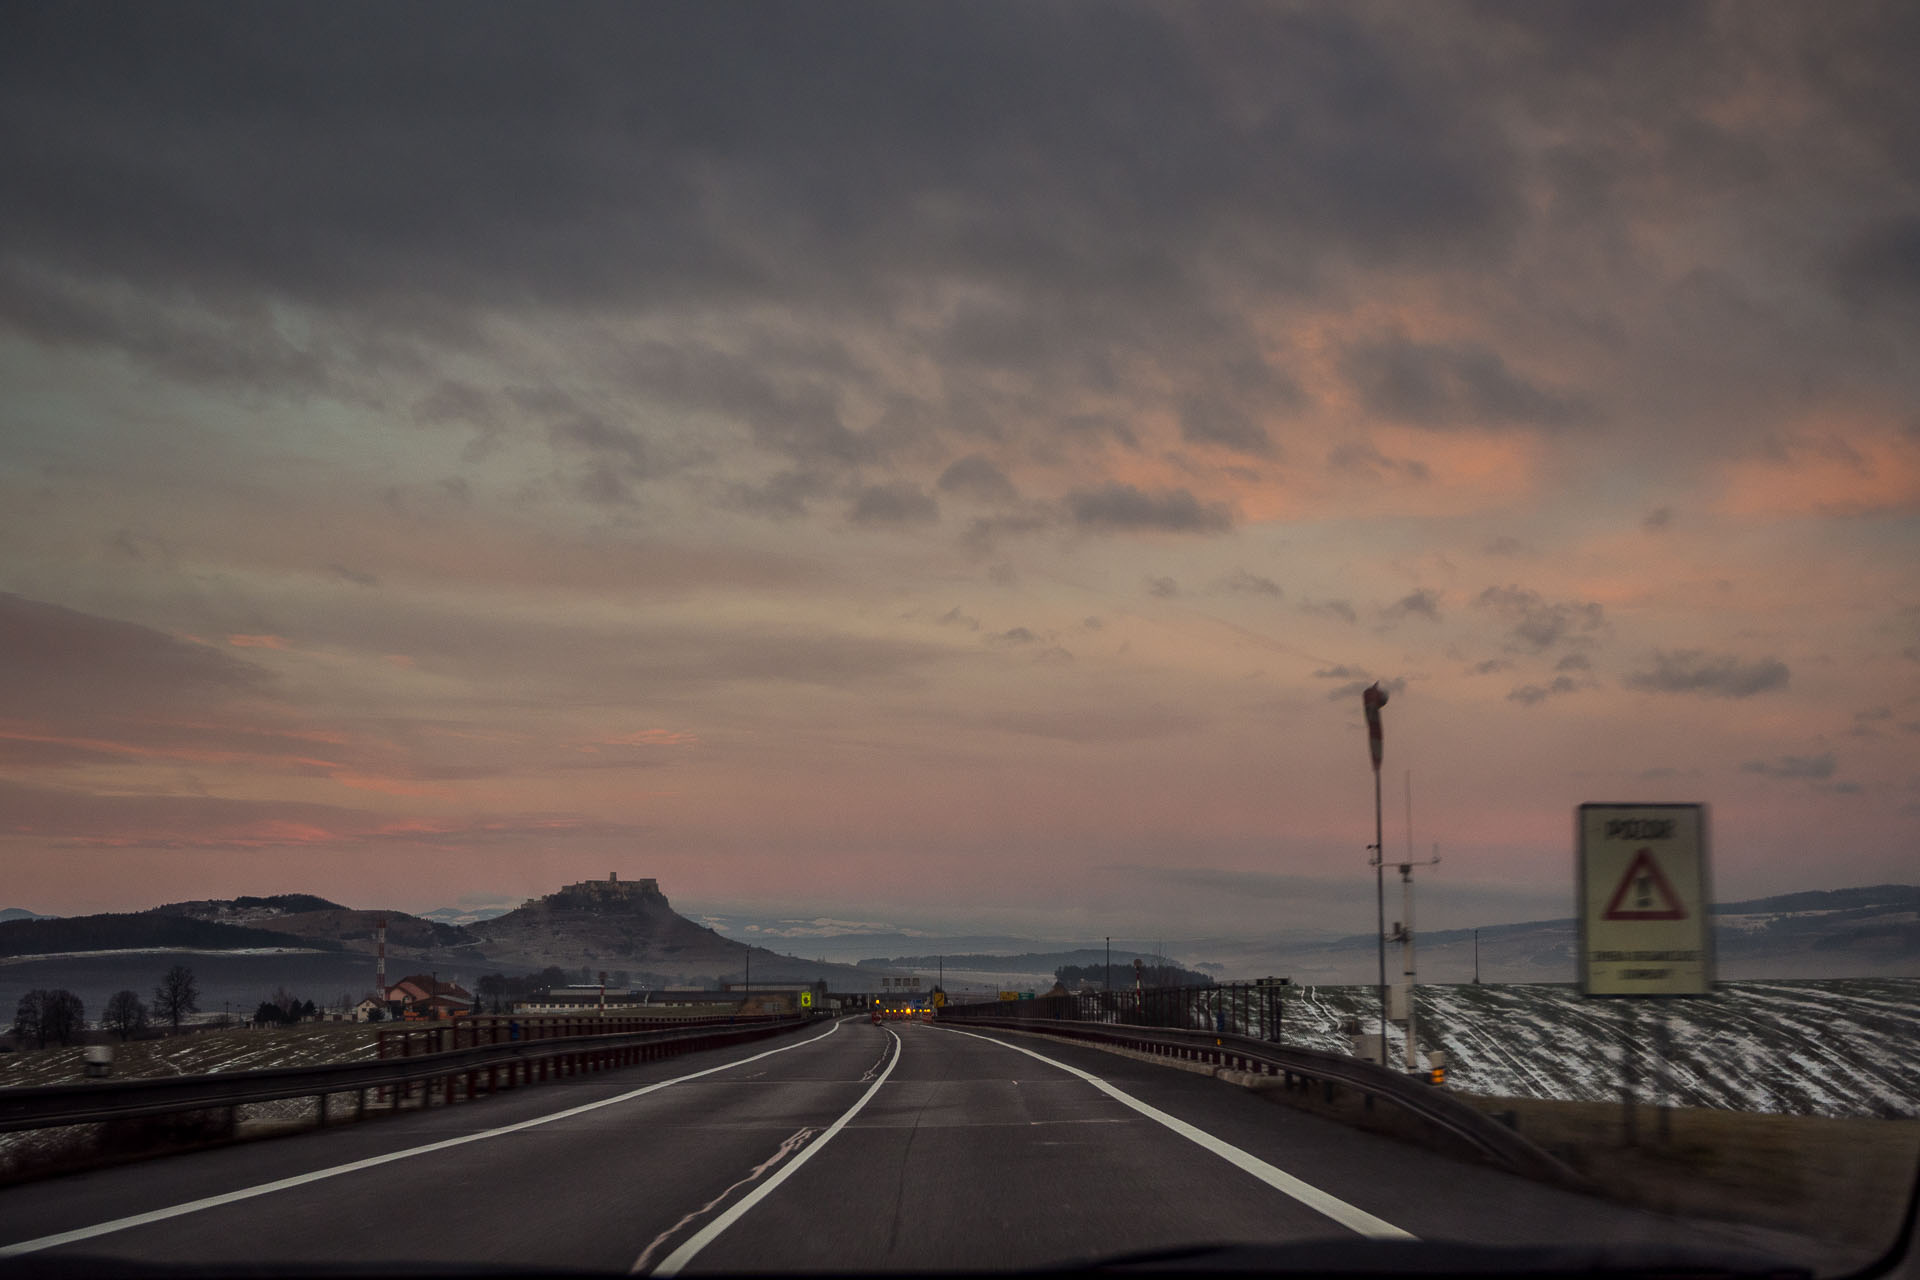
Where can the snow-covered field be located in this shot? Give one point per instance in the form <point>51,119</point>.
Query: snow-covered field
<point>199,1053</point>
<point>1839,1047</point>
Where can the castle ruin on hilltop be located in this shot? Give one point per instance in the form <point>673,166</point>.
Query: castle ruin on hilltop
<point>613,891</point>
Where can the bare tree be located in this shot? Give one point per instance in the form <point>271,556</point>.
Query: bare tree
<point>125,1014</point>
<point>177,996</point>
<point>63,1018</point>
<point>27,1019</point>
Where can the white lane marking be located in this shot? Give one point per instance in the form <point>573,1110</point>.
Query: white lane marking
<point>1350,1216</point>
<point>298,1180</point>
<point>686,1253</point>
<point>786,1148</point>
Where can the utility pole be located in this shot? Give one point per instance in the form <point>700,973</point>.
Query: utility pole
<point>1109,962</point>
<point>1476,957</point>
<point>1371,700</point>
<point>1403,934</point>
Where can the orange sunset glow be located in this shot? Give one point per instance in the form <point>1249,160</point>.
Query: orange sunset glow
<point>969,501</point>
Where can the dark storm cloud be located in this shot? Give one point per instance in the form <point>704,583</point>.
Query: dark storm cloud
<point>789,409</point>
<point>453,401</point>
<point>612,458</point>
<point>452,156</point>
<point>975,477</point>
<point>893,504</point>
<point>782,496</point>
<point>1711,675</point>
<point>1528,695</point>
<point>1341,609</point>
<point>1242,583</point>
<point>1364,460</point>
<point>1124,507</point>
<point>358,577</point>
<point>1539,624</point>
<point>1882,266</point>
<point>1418,603</point>
<point>1209,419</point>
<point>1459,384</point>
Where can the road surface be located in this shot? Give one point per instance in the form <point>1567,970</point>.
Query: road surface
<point>846,1147</point>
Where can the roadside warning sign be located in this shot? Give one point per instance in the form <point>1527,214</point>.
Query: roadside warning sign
<point>1652,897</point>
<point>1645,926</point>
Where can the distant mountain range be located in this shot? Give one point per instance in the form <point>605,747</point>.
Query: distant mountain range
<point>459,915</point>
<point>1868,932</point>
<point>630,928</point>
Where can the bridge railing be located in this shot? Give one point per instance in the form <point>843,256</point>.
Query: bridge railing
<point>1230,1029</point>
<point>410,1039</point>
<point>1253,1009</point>
<point>456,1072</point>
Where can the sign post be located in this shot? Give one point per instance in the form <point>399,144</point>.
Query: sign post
<point>1645,917</point>
<point>1645,927</point>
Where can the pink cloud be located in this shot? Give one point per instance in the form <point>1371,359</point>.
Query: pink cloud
<point>651,738</point>
<point>258,642</point>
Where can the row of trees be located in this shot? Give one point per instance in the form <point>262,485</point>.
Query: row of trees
<point>60,1017</point>
<point>1155,972</point>
<point>49,1016</point>
<point>284,1009</point>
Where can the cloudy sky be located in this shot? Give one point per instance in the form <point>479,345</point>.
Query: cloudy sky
<point>953,465</point>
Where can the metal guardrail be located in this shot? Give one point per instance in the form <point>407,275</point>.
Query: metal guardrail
<point>1296,1068</point>
<point>478,1068</point>
<point>1254,1009</point>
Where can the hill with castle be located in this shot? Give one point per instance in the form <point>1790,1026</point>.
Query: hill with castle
<point>611,925</point>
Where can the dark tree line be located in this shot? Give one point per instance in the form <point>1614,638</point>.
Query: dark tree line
<point>43,1017</point>
<point>59,1017</point>
<point>1155,973</point>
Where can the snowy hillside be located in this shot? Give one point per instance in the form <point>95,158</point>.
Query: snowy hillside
<point>1836,1047</point>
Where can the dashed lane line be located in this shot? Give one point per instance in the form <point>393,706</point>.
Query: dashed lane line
<point>677,1260</point>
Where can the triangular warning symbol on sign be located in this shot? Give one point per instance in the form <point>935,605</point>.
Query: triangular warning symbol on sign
<point>1652,897</point>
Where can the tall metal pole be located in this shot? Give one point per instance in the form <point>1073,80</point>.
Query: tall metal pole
<point>1371,700</point>
<point>1476,957</point>
<point>1406,954</point>
<point>1380,901</point>
<point>1109,962</point>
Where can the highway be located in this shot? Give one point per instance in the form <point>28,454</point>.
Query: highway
<point>847,1146</point>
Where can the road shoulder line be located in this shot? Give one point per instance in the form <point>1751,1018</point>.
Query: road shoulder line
<point>301,1179</point>
<point>1347,1215</point>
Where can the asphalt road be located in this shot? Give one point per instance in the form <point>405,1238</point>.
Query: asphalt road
<point>849,1147</point>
